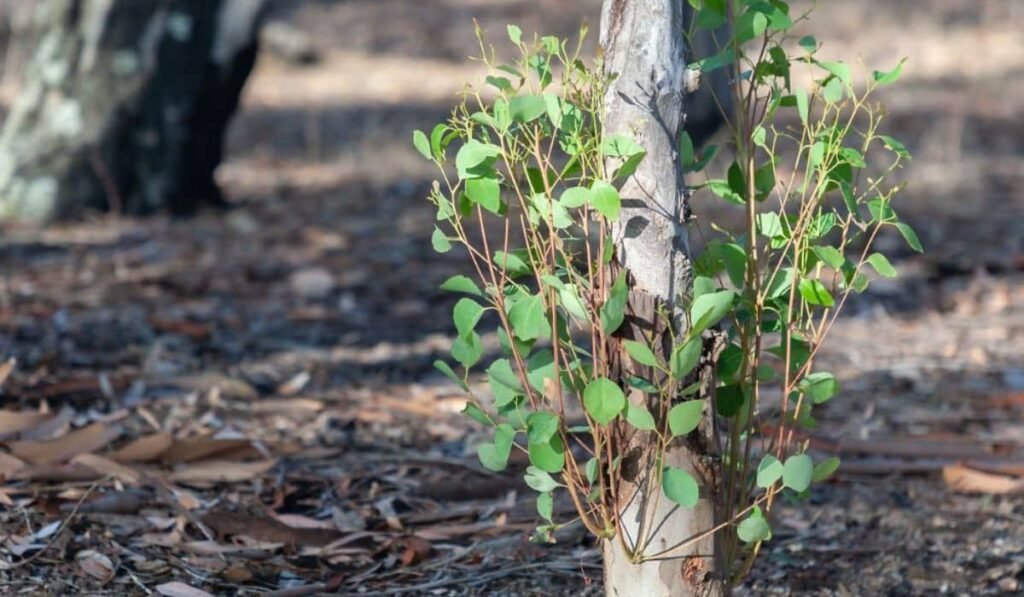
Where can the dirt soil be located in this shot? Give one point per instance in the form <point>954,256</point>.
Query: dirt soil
<point>243,402</point>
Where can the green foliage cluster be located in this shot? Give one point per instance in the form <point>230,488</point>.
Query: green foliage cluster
<point>528,188</point>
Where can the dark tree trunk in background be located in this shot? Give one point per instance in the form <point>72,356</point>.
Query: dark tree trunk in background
<point>124,106</point>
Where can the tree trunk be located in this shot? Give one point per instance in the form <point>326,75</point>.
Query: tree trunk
<point>124,105</point>
<point>644,46</point>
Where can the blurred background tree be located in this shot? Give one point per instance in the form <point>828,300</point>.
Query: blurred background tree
<point>124,105</point>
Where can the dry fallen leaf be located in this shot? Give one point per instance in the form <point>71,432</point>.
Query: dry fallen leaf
<point>221,471</point>
<point>180,589</point>
<point>6,368</point>
<point>82,441</point>
<point>9,465</point>
<point>144,449</point>
<point>199,448</point>
<point>967,480</point>
<point>416,550</point>
<point>96,565</point>
<point>13,422</point>
<point>107,467</point>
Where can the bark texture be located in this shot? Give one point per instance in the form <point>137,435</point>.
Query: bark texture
<point>644,46</point>
<point>124,106</point>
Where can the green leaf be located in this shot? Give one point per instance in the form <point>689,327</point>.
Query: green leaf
<point>572,303</point>
<point>824,469</point>
<point>833,91</point>
<point>680,487</point>
<point>815,293</point>
<point>641,353</point>
<point>840,70</point>
<point>540,367</point>
<point>820,387</point>
<point>515,34</point>
<point>729,399</point>
<point>501,83</point>
<point>468,350</point>
<point>685,357</point>
<point>466,314</point>
<point>709,309</point>
<point>591,470</point>
<point>620,145</point>
<point>769,471</point>
<point>439,241</point>
<point>809,44</point>
<point>613,312</point>
<point>548,456</point>
<point>527,108</point>
<point>685,417</point>
<point>753,529</point>
<point>438,141</point>
<point>605,199</point>
<point>512,263</point>
<point>541,427</point>
<point>474,412</point>
<point>603,400</point>
<point>528,318</point>
<point>686,151</point>
<point>797,472</point>
<point>642,384</point>
<point>910,236</point>
<point>485,191</point>
<point>894,146</point>
<point>639,417</point>
<point>501,372</point>
<point>574,197</point>
<point>448,372</point>
<point>884,78</point>
<point>830,256</point>
<point>539,480</point>
<point>750,25</point>
<point>769,225</point>
<point>545,505</point>
<point>463,284</point>
<point>494,456</point>
<point>422,144</point>
<point>882,265</point>
<point>720,188</point>
<point>475,158</point>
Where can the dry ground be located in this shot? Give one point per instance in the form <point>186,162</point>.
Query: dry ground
<point>282,350</point>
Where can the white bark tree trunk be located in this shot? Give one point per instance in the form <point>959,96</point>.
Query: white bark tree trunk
<point>644,46</point>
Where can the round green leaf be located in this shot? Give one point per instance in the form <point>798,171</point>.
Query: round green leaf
<point>680,487</point>
<point>461,284</point>
<point>824,469</point>
<point>541,427</point>
<point>882,265</point>
<point>753,529</point>
<point>685,416</point>
<point>798,472</point>
<point>685,357</point>
<point>769,471</point>
<point>467,350</point>
<point>639,417</point>
<point>641,353</point>
<point>526,108</point>
<point>439,241</point>
<point>475,158</point>
<point>545,505</point>
<point>422,144</point>
<point>548,456</point>
<point>574,197</point>
<point>494,456</point>
<point>485,191</point>
<point>603,400</point>
<point>709,309</point>
<point>605,199</point>
<point>820,387</point>
<point>528,318</point>
<point>539,480</point>
<point>466,314</point>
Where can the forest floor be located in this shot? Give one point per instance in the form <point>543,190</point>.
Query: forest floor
<point>243,402</point>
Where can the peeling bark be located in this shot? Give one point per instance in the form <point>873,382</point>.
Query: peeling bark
<point>644,46</point>
<point>124,106</point>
